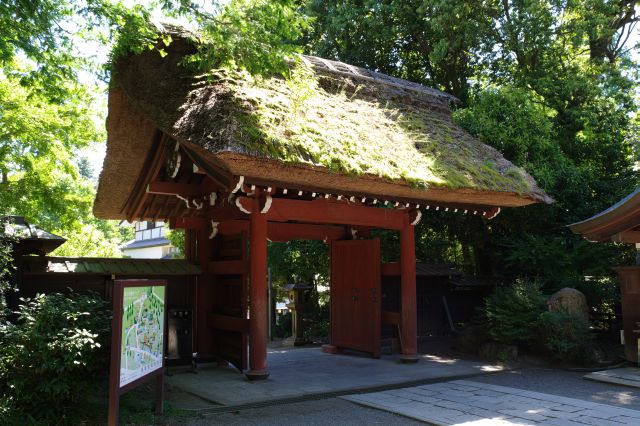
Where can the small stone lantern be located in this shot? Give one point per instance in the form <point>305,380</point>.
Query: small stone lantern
<point>300,297</point>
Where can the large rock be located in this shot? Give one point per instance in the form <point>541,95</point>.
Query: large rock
<point>569,301</point>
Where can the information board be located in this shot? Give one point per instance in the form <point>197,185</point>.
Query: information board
<point>138,340</point>
<point>143,313</point>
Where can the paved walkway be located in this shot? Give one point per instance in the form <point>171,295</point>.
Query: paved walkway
<point>308,371</point>
<point>629,376</point>
<point>464,402</point>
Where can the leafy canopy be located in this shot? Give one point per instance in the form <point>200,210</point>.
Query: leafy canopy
<point>551,84</point>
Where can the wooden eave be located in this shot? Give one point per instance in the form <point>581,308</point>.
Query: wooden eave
<point>309,178</point>
<point>618,223</point>
<point>293,188</point>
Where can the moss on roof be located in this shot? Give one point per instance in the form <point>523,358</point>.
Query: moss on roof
<point>345,124</point>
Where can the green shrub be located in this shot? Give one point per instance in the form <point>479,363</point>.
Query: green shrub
<point>566,336</point>
<point>49,357</point>
<point>510,314</point>
<point>6,267</point>
<point>283,326</point>
<point>317,330</point>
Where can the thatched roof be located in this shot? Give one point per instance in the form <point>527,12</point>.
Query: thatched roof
<point>356,130</point>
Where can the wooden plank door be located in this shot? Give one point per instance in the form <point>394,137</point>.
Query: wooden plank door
<point>229,318</point>
<point>355,295</point>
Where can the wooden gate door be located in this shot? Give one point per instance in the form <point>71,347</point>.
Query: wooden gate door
<point>229,319</point>
<point>355,295</point>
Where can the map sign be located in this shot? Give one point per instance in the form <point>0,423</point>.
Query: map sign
<point>143,313</point>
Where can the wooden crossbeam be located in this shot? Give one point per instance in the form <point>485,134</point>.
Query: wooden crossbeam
<point>630,237</point>
<point>276,231</point>
<point>328,212</point>
<point>184,190</point>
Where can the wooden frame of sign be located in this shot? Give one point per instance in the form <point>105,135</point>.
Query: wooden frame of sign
<point>121,381</point>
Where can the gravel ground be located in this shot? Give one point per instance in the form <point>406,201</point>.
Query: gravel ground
<point>331,411</point>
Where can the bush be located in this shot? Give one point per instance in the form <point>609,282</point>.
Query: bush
<point>566,336</point>
<point>317,331</point>
<point>283,328</point>
<point>510,315</point>
<point>48,357</point>
<point>6,266</point>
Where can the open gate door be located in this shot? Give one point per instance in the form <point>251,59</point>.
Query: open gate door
<point>229,318</point>
<point>355,295</point>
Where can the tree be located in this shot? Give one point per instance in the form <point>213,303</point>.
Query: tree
<point>548,83</point>
<point>46,116</point>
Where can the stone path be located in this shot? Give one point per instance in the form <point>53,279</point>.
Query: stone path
<point>309,371</point>
<point>629,376</point>
<point>469,403</point>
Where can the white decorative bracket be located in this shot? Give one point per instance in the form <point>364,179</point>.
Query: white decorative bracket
<point>494,215</point>
<point>186,200</point>
<point>212,198</point>
<point>242,209</point>
<point>417,219</point>
<point>176,168</point>
<point>267,204</point>
<point>238,185</point>
<point>214,229</point>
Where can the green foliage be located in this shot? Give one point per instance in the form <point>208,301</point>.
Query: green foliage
<point>316,322</point>
<point>549,84</point>
<point>299,261</point>
<point>283,329</point>
<point>47,116</point>
<point>255,35</point>
<point>566,336</point>
<point>534,241</point>
<point>510,314</point>
<point>518,315</point>
<point>176,238</point>
<point>6,267</point>
<point>48,358</point>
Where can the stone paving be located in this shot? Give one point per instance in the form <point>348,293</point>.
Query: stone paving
<point>309,371</point>
<point>629,376</point>
<point>469,403</point>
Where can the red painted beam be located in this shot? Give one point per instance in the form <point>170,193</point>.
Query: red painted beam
<point>329,212</point>
<point>277,231</point>
<point>390,269</point>
<point>298,231</point>
<point>197,223</point>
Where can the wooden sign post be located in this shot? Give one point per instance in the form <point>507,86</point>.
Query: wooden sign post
<point>138,340</point>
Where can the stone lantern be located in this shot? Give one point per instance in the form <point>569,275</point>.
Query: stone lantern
<point>300,298</point>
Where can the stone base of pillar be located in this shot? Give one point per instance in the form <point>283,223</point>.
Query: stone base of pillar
<point>409,359</point>
<point>330,349</point>
<point>257,374</point>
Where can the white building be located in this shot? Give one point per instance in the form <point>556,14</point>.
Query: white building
<point>150,242</point>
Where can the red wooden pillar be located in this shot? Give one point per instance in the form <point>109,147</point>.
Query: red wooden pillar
<point>258,307</point>
<point>408,325</point>
<point>204,343</point>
